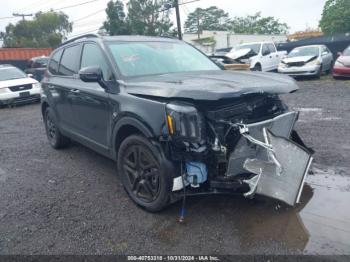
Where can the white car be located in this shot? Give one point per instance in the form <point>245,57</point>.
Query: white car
<point>17,87</point>
<point>310,60</point>
<point>262,56</point>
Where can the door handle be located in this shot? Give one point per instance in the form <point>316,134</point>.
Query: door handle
<point>75,91</point>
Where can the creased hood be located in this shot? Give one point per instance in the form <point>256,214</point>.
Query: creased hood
<point>210,85</point>
<point>296,59</point>
<point>236,54</point>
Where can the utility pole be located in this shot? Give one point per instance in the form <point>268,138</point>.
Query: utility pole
<point>23,15</point>
<point>178,20</point>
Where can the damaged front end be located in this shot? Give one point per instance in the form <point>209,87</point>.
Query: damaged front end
<point>246,144</point>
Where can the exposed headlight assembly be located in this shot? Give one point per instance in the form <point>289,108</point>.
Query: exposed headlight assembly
<point>184,122</point>
<point>315,62</point>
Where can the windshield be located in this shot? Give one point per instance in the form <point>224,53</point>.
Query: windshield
<point>9,73</point>
<point>153,58</point>
<point>347,51</point>
<point>304,51</point>
<point>254,47</point>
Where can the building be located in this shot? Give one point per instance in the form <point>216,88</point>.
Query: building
<point>226,39</point>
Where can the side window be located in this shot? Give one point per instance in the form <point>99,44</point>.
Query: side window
<point>70,61</point>
<point>54,61</point>
<point>265,49</point>
<point>93,56</point>
<point>272,48</point>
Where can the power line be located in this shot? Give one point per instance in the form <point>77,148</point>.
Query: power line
<point>70,6</point>
<point>87,16</point>
<point>57,9</point>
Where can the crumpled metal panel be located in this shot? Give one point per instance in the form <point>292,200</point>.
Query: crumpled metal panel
<point>281,125</point>
<point>286,184</point>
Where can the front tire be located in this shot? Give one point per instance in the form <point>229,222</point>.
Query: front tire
<point>257,67</point>
<point>142,174</point>
<point>55,137</point>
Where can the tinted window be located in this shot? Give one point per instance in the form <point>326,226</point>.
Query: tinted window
<point>70,61</point>
<point>93,56</point>
<point>272,48</point>
<point>55,59</point>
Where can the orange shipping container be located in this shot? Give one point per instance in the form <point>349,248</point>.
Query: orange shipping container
<point>22,53</point>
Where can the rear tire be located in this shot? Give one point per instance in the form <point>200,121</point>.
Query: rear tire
<point>142,174</point>
<point>55,137</point>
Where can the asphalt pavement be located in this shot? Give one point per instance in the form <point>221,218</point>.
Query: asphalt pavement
<point>71,201</point>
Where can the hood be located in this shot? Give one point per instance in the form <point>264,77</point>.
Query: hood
<point>236,54</point>
<point>210,85</point>
<point>17,82</point>
<point>296,59</point>
<point>345,60</point>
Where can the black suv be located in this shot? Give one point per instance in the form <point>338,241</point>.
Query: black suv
<point>173,120</point>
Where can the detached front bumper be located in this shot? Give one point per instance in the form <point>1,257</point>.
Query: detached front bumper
<point>280,165</point>
<point>307,70</point>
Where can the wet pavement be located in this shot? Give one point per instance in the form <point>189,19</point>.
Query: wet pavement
<point>71,201</point>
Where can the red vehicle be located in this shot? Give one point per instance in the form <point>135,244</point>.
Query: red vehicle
<point>342,64</point>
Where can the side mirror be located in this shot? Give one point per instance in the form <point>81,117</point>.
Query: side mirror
<point>339,53</point>
<point>92,74</point>
<point>30,75</point>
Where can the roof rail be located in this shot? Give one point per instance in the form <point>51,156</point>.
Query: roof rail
<point>79,37</point>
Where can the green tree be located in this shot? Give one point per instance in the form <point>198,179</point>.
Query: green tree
<point>256,24</point>
<point>211,18</point>
<point>145,17</point>
<point>45,30</point>
<point>335,17</point>
<point>116,23</point>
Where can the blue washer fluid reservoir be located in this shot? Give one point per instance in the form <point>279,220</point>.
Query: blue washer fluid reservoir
<point>196,173</point>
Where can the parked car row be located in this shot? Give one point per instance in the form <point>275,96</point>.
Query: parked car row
<point>311,60</point>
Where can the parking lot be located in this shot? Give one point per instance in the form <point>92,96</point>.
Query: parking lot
<point>72,202</point>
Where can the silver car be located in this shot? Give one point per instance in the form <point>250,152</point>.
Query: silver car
<point>310,60</point>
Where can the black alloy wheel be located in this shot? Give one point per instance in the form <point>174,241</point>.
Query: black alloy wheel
<point>142,174</point>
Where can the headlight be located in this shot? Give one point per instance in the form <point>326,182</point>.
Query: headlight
<point>184,122</point>
<point>36,85</point>
<point>315,62</point>
<point>338,63</point>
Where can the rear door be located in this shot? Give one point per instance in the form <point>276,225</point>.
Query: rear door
<point>58,85</point>
<point>91,104</point>
<point>67,86</point>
